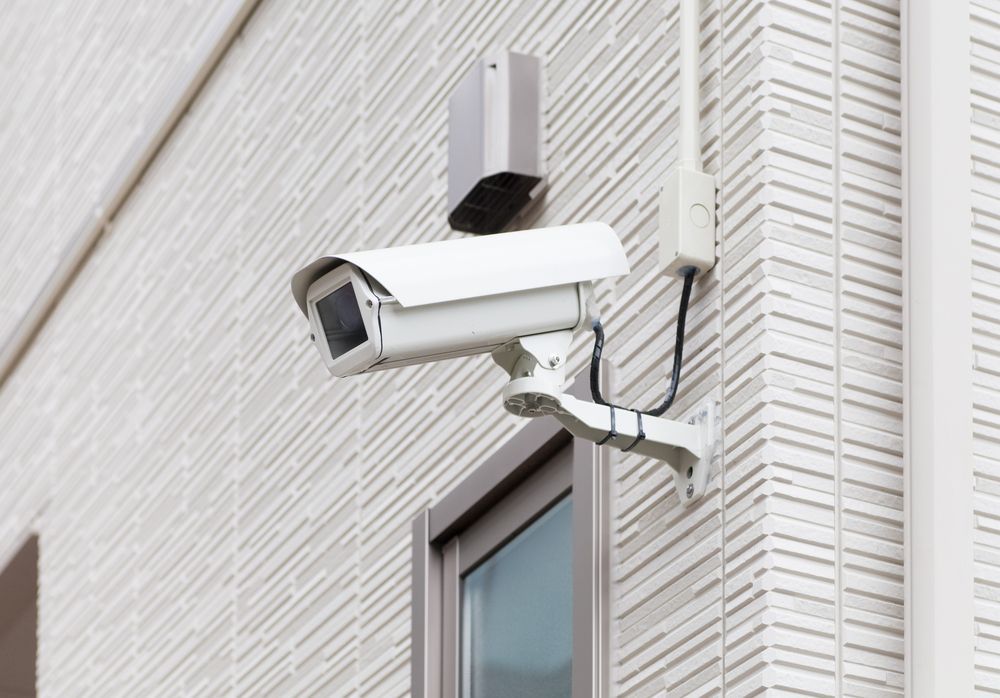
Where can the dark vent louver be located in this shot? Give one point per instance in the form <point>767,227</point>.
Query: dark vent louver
<point>493,203</point>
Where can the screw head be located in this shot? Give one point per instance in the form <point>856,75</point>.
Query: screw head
<point>555,360</point>
<point>690,491</point>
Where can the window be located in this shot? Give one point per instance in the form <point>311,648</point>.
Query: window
<point>517,614</point>
<point>18,617</point>
<point>510,575</point>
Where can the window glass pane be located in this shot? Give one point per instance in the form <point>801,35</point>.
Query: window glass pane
<point>341,319</point>
<point>517,614</point>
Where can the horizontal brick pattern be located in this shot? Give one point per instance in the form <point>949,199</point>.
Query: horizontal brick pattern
<point>869,350</point>
<point>218,516</point>
<point>986,338</point>
<point>82,80</point>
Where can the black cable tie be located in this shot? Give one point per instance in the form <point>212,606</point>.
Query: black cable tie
<point>611,434</point>
<point>640,436</point>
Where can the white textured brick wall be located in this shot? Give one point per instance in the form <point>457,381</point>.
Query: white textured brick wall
<point>81,81</point>
<point>218,516</point>
<point>986,336</point>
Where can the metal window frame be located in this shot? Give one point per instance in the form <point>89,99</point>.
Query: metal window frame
<point>515,512</point>
<point>527,467</point>
<point>19,592</point>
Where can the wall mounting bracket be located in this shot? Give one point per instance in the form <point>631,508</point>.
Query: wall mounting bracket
<point>537,368</point>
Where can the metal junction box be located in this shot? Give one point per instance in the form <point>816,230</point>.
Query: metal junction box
<point>495,142</point>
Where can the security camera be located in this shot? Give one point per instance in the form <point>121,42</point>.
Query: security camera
<point>381,309</point>
<point>518,296</point>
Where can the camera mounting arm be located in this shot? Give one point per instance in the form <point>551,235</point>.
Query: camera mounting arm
<point>537,368</point>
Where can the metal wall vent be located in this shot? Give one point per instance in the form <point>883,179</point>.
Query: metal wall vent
<point>495,143</point>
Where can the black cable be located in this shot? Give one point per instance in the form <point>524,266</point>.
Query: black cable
<point>675,377</point>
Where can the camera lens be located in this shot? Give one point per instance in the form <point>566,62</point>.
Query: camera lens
<point>348,313</point>
<point>341,319</point>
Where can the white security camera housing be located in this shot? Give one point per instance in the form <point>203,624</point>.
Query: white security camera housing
<point>517,296</point>
<point>394,307</point>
